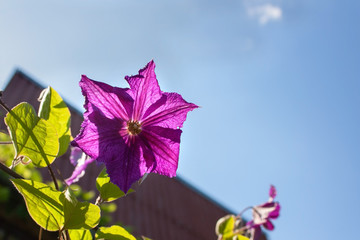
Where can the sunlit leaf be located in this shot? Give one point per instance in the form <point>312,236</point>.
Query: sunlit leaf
<point>32,136</point>
<point>225,226</point>
<point>79,214</point>
<point>114,233</point>
<point>54,210</point>
<point>54,110</point>
<point>80,234</point>
<point>241,237</point>
<point>43,203</point>
<point>108,191</point>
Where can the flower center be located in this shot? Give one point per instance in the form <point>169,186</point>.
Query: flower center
<point>133,127</point>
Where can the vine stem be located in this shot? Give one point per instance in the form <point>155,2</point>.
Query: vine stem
<point>40,233</point>
<point>9,171</point>
<point>53,178</point>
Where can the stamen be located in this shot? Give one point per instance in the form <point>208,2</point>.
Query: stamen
<point>133,127</point>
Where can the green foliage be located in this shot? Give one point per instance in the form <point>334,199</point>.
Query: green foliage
<point>43,203</point>
<point>114,233</point>
<point>54,110</point>
<point>54,210</point>
<point>226,228</point>
<point>108,191</point>
<point>80,234</point>
<point>241,237</point>
<point>79,214</point>
<point>7,155</point>
<point>33,137</point>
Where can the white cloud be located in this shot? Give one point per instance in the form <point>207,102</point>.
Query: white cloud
<point>265,13</point>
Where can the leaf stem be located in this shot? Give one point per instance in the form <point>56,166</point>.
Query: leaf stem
<point>53,178</point>
<point>4,105</point>
<point>40,233</point>
<point>9,171</point>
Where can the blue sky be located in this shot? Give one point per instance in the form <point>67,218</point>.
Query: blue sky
<point>278,82</point>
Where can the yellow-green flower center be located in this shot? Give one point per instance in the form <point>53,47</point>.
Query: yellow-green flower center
<point>133,127</point>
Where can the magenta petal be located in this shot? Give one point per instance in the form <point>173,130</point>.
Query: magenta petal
<point>125,163</point>
<point>79,170</point>
<point>145,89</point>
<point>268,225</point>
<point>169,111</point>
<point>276,212</point>
<point>255,233</point>
<point>75,155</point>
<point>113,102</point>
<point>98,131</point>
<point>164,144</point>
<point>272,192</point>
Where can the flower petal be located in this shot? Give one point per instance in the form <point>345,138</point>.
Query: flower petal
<point>164,144</point>
<point>144,89</point>
<point>97,131</point>
<point>255,233</point>
<point>268,225</point>
<point>125,163</point>
<point>272,192</point>
<point>276,212</point>
<point>75,155</point>
<point>79,170</point>
<point>169,111</point>
<point>113,102</point>
<point>107,141</point>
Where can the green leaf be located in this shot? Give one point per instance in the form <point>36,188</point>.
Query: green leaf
<point>225,226</point>
<point>54,110</point>
<point>241,237</point>
<point>54,210</point>
<point>43,203</point>
<point>108,191</point>
<point>79,214</point>
<point>114,233</point>
<point>80,234</point>
<point>32,136</point>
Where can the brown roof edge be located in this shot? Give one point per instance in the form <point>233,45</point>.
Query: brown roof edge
<point>20,73</point>
<point>197,191</point>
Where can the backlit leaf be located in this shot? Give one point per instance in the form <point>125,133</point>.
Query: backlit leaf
<point>54,110</point>
<point>79,214</point>
<point>33,137</point>
<point>225,226</point>
<point>114,233</point>
<point>108,191</point>
<point>80,234</point>
<point>43,203</point>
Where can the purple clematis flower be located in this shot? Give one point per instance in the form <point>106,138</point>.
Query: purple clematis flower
<point>133,131</point>
<point>263,213</point>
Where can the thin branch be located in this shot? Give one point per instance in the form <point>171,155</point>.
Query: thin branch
<point>4,106</point>
<point>9,171</point>
<point>7,142</point>
<point>53,178</point>
<point>40,233</point>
